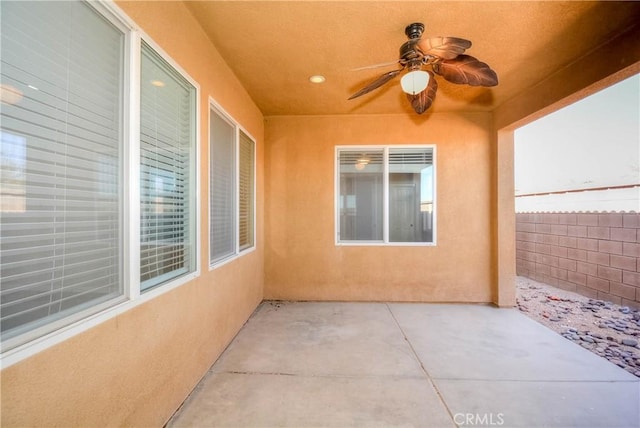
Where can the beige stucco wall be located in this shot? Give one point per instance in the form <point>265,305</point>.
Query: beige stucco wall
<point>302,260</point>
<point>137,368</point>
<point>602,67</point>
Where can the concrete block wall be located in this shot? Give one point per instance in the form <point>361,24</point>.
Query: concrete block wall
<point>594,254</point>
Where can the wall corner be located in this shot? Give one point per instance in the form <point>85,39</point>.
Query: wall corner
<point>503,220</point>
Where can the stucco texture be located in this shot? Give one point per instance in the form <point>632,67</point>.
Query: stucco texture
<point>136,369</point>
<point>302,260</point>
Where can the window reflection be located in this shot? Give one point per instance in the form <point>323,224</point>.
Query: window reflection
<point>13,164</point>
<point>386,194</point>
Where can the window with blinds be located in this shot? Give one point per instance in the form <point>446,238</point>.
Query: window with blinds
<point>246,147</point>
<point>222,201</point>
<point>167,143</point>
<point>61,152</point>
<point>410,191</point>
<point>386,195</point>
<point>65,150</point>
<point>231,189</point>
<point>361,195</point>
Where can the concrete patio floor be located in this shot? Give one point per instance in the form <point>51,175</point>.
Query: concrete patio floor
<point>423,365</point>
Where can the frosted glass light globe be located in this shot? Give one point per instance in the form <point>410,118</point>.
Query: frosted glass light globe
<point>414,82</point>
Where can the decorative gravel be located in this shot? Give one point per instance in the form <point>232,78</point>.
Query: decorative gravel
<point>604,328</point>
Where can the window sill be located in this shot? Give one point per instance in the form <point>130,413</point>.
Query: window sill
<point>33,347</point>
<point>231,258</point>
<point>385,244</point>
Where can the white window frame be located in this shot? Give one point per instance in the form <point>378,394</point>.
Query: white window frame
<point>239,252</point>
<point>33,342</point>
<point>385,214</point>
<point>194,172</point>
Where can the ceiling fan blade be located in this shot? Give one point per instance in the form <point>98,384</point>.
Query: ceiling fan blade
<point>466,69</point>
<point>369,67</point>
<point>423,100</point>
<point>443,47</point>
<point>377,83</point>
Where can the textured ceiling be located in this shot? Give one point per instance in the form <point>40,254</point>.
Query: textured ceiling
<point>274,46</point>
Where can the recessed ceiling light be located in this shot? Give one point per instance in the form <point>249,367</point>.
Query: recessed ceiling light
<point>158,83</point>
<point>317,79</point>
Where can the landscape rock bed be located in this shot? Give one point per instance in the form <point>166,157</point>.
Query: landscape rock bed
<point>604,328</point>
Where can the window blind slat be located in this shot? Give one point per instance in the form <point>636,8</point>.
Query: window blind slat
<point>246,191</point>
<point>167,103</point>
<point>47,105</point>
<point>65,296</point>
<point>361,195</point>
<point>60,147</point>
<point>222,239</point>
<point>407,190</point>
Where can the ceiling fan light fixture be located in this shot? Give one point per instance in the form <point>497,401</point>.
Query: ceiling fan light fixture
<point>362,163</point>
<point>446,57</point>
<point>414,82</point>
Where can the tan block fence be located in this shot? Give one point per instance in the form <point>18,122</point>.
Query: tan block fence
<point>594,254</point>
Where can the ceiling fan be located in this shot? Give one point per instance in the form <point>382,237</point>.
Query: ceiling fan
<point>446,57</point>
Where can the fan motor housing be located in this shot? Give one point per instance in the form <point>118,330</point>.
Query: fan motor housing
<point>408,51</point>
<point>415,30</point>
